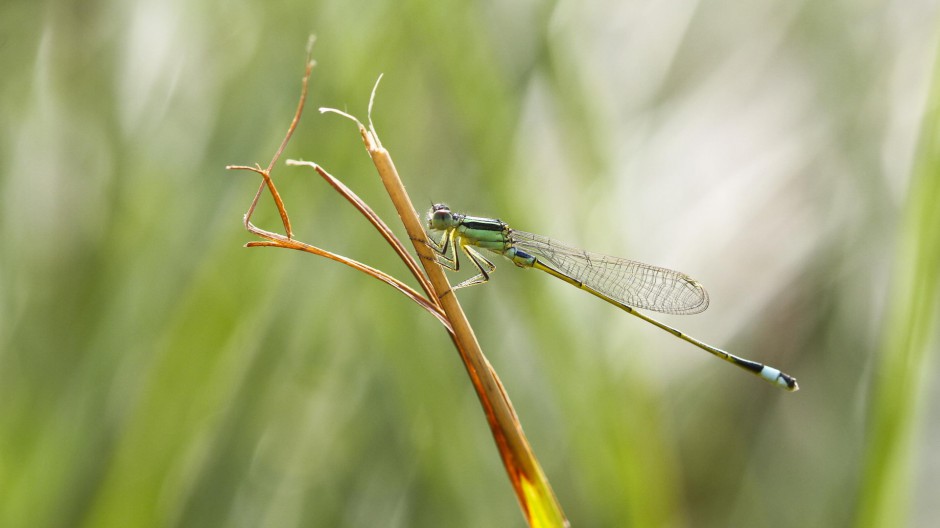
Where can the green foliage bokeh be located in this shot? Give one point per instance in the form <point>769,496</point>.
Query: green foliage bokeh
<point>153,372</point>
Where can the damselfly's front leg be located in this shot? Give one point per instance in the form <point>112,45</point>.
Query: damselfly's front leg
<point>446,250</point>
<point>448,257</point>
<point>480,262</point>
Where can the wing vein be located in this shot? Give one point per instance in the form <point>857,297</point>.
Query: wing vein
<point>632,283</point>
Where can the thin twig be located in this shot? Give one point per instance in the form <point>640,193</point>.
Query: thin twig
<point>269,183</point>
<point>377,222</point>
<point>276,240</point>
<point>266,173</point>
<point>288,242</point>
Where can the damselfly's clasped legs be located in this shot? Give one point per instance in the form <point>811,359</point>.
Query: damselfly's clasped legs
<point>626,284</point>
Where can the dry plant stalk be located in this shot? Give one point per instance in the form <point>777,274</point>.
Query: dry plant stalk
<point>535,495</point>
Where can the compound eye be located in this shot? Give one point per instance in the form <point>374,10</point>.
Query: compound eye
<point>441,219</point>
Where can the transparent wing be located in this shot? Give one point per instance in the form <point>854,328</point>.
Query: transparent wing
<point>629,282</point>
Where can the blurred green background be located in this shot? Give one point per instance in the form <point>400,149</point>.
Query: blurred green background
<point>155,373</point>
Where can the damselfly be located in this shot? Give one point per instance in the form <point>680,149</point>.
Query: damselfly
<point>626,284</point>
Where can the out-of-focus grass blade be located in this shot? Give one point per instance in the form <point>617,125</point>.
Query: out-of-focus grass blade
<point>912,319</point>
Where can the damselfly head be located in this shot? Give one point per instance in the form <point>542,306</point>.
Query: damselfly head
<point>440,218</point>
